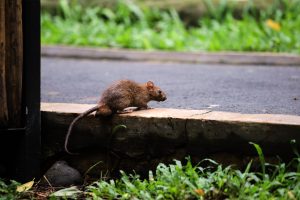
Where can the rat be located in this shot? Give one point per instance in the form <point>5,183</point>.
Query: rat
<point>118,96</point>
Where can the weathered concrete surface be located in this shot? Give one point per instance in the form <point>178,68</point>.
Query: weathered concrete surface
<point>159,131</point>
<point>165,56</point>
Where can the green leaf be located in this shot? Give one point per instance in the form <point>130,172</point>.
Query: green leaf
<point>118,127</point>
<point>261,157</point>
<point>71,192</point>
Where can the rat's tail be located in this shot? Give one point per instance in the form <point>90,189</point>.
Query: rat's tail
<point>72,124</point>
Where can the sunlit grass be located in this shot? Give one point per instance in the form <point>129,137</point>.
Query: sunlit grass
<point>129,26</point>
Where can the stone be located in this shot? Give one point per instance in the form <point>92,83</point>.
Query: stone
<point>60,174</point>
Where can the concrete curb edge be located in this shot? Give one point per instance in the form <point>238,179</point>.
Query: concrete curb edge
<point>237,58</point>
<point>198,131</point>
<point>183,114</point>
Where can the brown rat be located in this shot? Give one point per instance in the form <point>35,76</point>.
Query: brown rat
<point>120,95</point>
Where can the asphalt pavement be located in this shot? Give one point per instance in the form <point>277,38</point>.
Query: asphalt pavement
<point>243,89</point>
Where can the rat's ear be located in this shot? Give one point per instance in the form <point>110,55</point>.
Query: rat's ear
<point>150,84</point>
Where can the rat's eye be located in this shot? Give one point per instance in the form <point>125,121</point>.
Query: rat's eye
<point>159,91</point>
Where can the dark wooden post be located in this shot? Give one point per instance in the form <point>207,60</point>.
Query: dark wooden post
<point>11,80</point>
<point>20,139</point>
<point>14,61</point>
<point>3,98</point>
<point>11,63</point>
<point>30,148</point>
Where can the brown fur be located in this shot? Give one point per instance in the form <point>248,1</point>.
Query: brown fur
<point>120,95</point>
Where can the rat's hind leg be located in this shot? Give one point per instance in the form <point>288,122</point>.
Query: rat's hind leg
<point>104,110</point>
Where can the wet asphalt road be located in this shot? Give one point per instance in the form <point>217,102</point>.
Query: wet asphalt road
<point>245,89</point>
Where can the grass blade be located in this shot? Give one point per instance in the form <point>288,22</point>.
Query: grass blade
<point>261,157</point>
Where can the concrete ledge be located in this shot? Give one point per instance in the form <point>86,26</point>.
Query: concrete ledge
<point>160,135</point>
<point>164,56</point>
<point>160,131</point>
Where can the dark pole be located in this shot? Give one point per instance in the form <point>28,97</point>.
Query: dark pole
<point>28,166</point>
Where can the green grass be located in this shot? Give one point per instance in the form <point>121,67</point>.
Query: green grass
<point>178,181</point>
<point>129,26</point>
<point>206,180</point>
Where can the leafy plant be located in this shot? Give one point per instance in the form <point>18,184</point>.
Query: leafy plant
<point>178,181</point>
<point>206,180</point>
<point>9,191</point>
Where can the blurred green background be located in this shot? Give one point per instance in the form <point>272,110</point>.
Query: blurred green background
<point>174,25</point>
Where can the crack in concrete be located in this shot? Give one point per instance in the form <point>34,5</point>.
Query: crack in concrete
<point>186,138</point>
<point>170,122</point>
<point>201,113</point>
